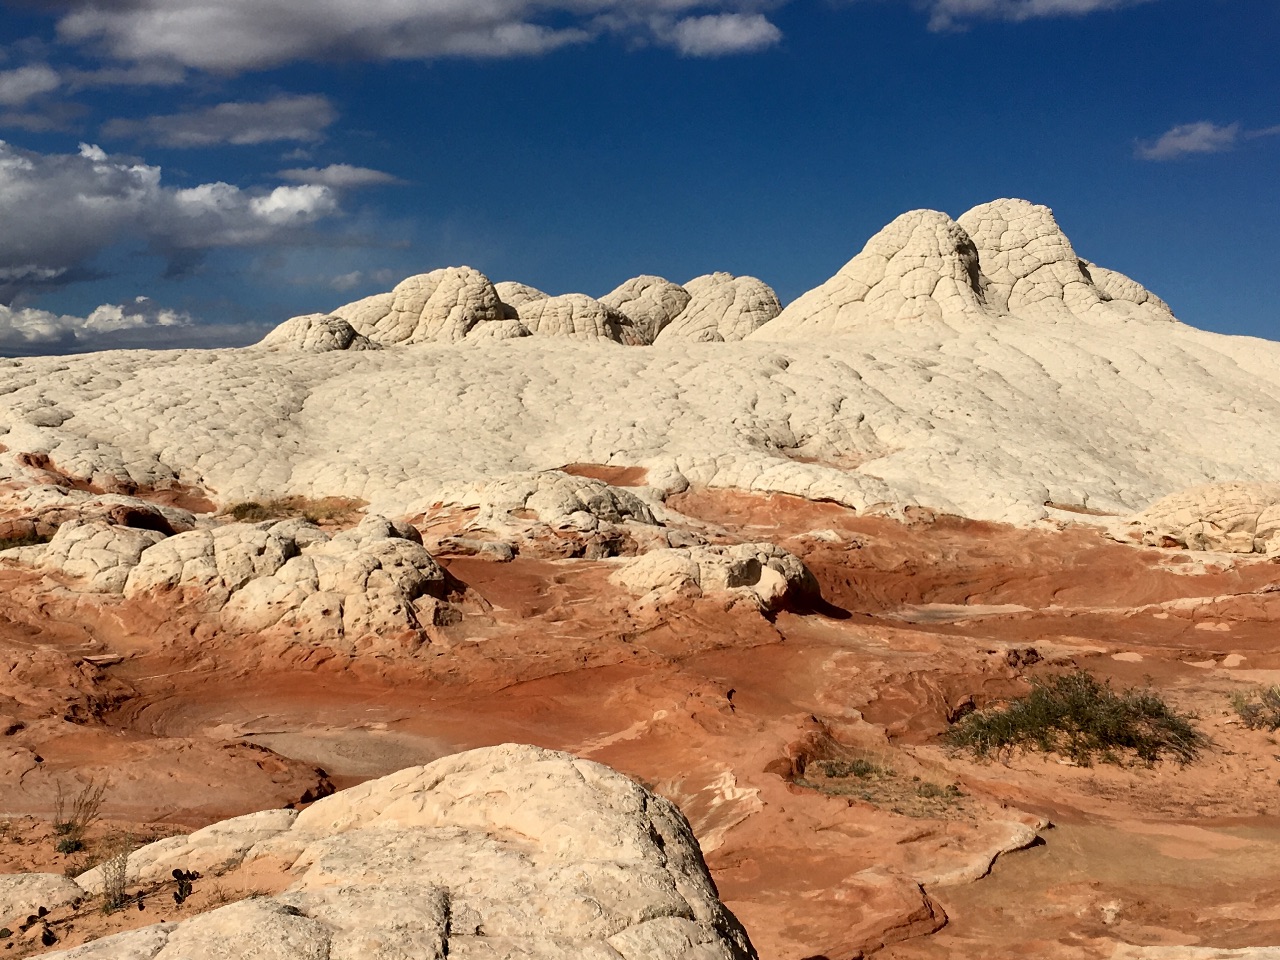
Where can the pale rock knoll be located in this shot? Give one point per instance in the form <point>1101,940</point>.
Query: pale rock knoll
<point>1229,517</point>
<point>975,366</point>
<point>504,852</point>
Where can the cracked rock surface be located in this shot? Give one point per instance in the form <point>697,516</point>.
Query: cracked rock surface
<point>503,852</point>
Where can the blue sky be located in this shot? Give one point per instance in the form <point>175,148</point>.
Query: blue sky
<point>180,172</point>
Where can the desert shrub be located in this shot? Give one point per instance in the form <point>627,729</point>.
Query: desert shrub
<point>1075,715</point>
<point>73,816</point>
<point>332,509</point>
<point>1259,708</point>
<point>115,873</point>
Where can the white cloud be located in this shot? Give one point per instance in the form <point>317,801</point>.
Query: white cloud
<point>1190,138</point>
<point>302,117</point>
<point>1203,136</point>
<point>74,206</point>
<point>340,176</point>
<point>238,35</point>
<point>724,33</point>
<point>19,85</point>
<point>949,14</point>
<point>28,326</point>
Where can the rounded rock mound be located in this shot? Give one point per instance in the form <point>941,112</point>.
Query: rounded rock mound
<point>1228,517</point>
<point>923,265</point>
<point>650,302</point>
<point>437,307</point>
<point>579,317</point>
<point>504,852</point>
<point>317,333</point>
<point>722,307</point>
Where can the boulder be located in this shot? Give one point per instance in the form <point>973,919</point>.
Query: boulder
<point>722,307</point>
<point>1228,517</point>
<point>317,333</point>
<point>437,307</point>
<point>515,294</point>
<point>578,316</point>
<point>505,852</point>
<point>650,303</point>
<point>560,500</point>
<point>99,553</point>
<point>762,573</point>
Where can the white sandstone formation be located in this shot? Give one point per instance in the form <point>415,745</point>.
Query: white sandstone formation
<point>651,303</point>
<point>317,333</point>
<point>99,553</point>
<point>1231,517</point>
<point>931,370</point>
<point>501,853</point>
<point>559,500</point>
<point>722,307</point>
<point>580,317</point>
<point>509,329</point>
<point>764,573</point>
<point>516,295</point>
<point>440,306</point>
<point>1033,272</point>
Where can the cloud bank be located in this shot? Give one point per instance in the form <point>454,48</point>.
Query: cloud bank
<point>239,35</point>
<point>90,200</point>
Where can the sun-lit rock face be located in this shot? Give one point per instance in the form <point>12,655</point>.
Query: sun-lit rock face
<point>921,266</point>
<point>1230,517</point>
<point>515,294</point>
<point>579,317</point>
<point>650,302</point>
<point>440,306</point>
<point>505,852</point>
<point>317,333</point>
<point>722,307</point>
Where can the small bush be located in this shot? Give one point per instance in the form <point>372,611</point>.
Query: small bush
<point>1259,709</point>
<point>71,824</point>
<point>327,509</point>
<point>115,873</point>
<point>1074,715</point>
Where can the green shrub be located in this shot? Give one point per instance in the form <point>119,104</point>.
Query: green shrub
<point>1259,709</point>
<point>1074,715</point>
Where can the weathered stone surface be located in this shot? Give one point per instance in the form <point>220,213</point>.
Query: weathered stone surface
<point>921,266</point>
<point>580,317</point>
<point>440,306</point>
<point>504,852</point>
<point>722,307</point>
<point>317,333</point>
<point>762,572</point>
<point>560,500</point>
<point>22,894</point>
<point>515,294</point>
<point>97,552</point>
<point>1231,517</point>
<point>651,303</point>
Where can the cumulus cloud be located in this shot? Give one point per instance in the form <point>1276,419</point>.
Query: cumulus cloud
<point>239,35</point>
<point>302,117</point>
<point>715,35</point>
<point>28,327</point>
<point>74,206</point>
<point>1203,136</point>
<point>340,176</point>
<point>949,14</point>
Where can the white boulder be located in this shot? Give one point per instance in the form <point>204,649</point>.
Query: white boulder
<point>763,573</point>
<point>722,307</point>
<point>502,853</point>
<point>436,307</point>
<point>578,316</point>
<point>1229,517</point>
<point>651,303</point>
<point>317,333</point>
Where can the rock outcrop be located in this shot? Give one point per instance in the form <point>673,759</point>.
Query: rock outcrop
<point>516,295</point>
<point>503,852</point>
<point>1229,517</point>
<point>579,317</point>
<point>437,307</point>
<point>317,333</point>
<point>762,573</point>
<point>651,303</point>
<point>722,307</point>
